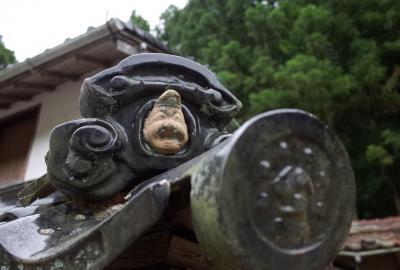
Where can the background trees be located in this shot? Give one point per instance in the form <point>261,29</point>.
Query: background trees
<point>139,22</point>
<point>338,59</point>
<point>6,56</point>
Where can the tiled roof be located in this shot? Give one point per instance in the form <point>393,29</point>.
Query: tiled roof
<point>375,234</point>
<point>99,48</point>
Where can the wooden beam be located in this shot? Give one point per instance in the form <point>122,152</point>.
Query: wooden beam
<point>6,100</point>
<point>92,60</point>
<point>34,86</point>
<point>126,48</point>
<point>186,254</point>
<point>4,106</point>
<point>160,248</point>
<point>5,103</point>
<point>59,75</point>
<point>146,251</point>
<point>15,96</point>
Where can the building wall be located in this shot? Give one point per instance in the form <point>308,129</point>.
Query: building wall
<point>56,107</point>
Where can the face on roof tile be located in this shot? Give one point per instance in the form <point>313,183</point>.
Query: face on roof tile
<point>165,129</point>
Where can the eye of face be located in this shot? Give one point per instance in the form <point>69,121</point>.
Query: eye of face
<point>159,115</point>
<point>178,117</point>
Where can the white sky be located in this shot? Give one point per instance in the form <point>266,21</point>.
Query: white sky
<point>29,27</point>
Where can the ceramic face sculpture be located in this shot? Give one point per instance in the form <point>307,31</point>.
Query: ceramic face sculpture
<point>148,114</point>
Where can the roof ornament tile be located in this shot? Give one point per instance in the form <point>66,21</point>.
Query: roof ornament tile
<point>276,194</point>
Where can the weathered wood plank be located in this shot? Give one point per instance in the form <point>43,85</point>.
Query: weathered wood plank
<point>146,251</point>
<point>184,253</point>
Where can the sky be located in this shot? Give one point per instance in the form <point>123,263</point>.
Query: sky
<point>28,27</point>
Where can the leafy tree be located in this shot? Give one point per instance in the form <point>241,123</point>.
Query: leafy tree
<point>6,56</point>
<point>386,157</point>
<point>338,59</point>
<point>139,22</point>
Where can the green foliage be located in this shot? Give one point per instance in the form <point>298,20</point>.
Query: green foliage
<point>378,154</point>
<point>387,153</point>
<point>338,59</point>
<point>385,156</point>
<point>6,56</point>
<point>139,22</point>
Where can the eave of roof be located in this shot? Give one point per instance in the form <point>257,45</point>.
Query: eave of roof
<point>47,70</point>
<point>373,237</point>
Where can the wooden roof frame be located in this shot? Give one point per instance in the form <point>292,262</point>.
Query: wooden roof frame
<point>42,73</point>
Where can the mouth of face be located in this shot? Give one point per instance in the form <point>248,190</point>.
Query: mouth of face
<point>172,132</point>
<point>166,137</point>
